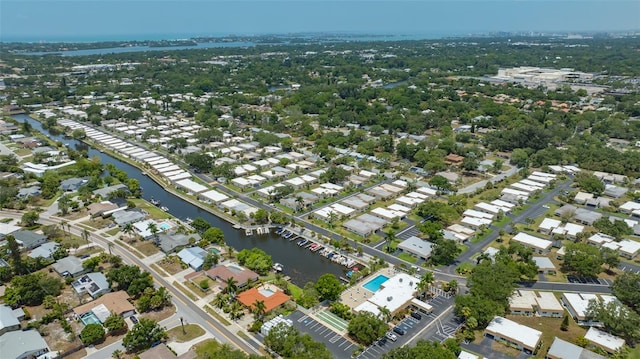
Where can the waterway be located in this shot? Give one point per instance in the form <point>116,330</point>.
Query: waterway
<point>301,265</point>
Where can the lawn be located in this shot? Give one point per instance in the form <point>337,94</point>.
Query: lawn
<point>634,353</point>
<point>190,332</point>
<point>296,292</point>
<point>464,268</point>
<point>171,264</point>
<point>206,346</point>
<point>154,211</point>
<point>70,241</point>
<point>407,257</point>
<point>146,247</point>
<point>195,286</point>
<point>550,328</point>
<point>113,231</point>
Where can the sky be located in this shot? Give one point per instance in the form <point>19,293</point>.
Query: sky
<point>98,20</point>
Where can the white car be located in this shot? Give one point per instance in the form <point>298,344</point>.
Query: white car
<point>391,336</point>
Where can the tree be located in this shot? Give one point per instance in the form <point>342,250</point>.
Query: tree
<point>261,216</point>
<point>29,219</point>
<point>143,335</point>
<point>114,323</point>
<point>116,354</point>
<point>92,333</point>
<point>610,257</point>
<point>287,341</point>
<point>365,328</point>
<point>213,235</point>
<point>200,224</point>
<point>231,286</point>
<point>564,326</point>
<point>259,309</point>
<point>590,183</point>
<point>255,259</point>
<point>616,318</point>
<point>426,280</point>
<point>204,284</point>
<point>329,287</point>
<point>626,287</point>
<point>153,228</point>
<point>131,279</point>
<point>210,260</point>
<point>16,258</point>
<point>31,289</point>
<point>519,157</point>
<point>441,183</point>
<point>64,202</point>
<point>425,349</point>
<point>583,259</point>
<point>444,251</point>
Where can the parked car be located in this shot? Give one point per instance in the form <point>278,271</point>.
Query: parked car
<point>416,315</point>
<point>134,320</point>
<point>382,341</point>
<point>391,336</point>
<point>399,330</point>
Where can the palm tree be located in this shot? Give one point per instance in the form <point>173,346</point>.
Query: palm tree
<point>385,313</point>
<point>232,285</point>
<point>109,246</point>
<point>235,310</point>
<point>85,235</point>
<point>63,224</point>
<point>153,228</point>
<point>220,300</point>
<point>116,354</point>
<point>391,236</point>
<point>259,309</point>
<point>299,203</point>
<point>332,218</point>
<point>128,229</point>
<point>425,281</point>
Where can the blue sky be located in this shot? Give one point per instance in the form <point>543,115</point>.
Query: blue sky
<point>85,20</point>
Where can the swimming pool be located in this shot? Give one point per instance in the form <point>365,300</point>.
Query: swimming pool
<point>374,284</point>
<point>89,318</point>
<point>214,251</point>
<point>164,226</point>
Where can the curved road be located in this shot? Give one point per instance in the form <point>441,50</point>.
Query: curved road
<point>184,305</point>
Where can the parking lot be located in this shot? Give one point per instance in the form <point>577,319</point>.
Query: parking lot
<point>339,346</point>
<point>588,280</point>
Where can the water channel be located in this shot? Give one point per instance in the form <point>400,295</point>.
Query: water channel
<point>301,265</point>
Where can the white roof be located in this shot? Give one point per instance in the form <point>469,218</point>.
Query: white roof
<point>544,263</point>
<point>396,292</point>
<point>477,214</point>
<point>532,241</point>
<point>519,333</point>
<point>532,183</point>
<point>368,307</point>
<point>579,302</point>
<point>523,187</point>
<point>214,196</point>
<point>475,222</point>
<point>490,208</point>
<point>629,246</point>
<point>191,186</point>
<point>630,206</point>
<point>428,191</point>
<point>610,342</point>
<point>543,174</point>
<point>501,203</point>
<point>515,192</point>
<point>550,223</point>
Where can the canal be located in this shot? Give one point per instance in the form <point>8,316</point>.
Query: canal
<point>301,265</point>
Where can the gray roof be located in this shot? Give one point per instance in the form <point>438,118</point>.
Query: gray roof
<point>104,192</point>
<point>45,251</point>
<point>586,216</point>
<point>169,242</point>
<point>72,184</point>
<point>91,282</point>
<point>29,191</point>
<point>71,265</point>
<point>7,319</point>
<point>417,246</point>
<point>28,238</point>
<point>566,350</point>
<point>124,217</point>
<point>19,344</point>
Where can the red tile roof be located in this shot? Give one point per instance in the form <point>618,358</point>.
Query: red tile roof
<point>274,300</point>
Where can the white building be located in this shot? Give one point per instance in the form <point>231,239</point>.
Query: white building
<point>512,333</point>
<point>610,343</point>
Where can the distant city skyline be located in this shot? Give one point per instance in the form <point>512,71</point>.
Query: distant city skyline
<point>94,20</point>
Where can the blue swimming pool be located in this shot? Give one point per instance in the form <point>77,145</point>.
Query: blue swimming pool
<point>164,226</point>
<point>374,284</point>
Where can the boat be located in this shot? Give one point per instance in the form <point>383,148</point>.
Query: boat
<point>302,242</point>
<point>188,220</point>
<point>165,208</point>
<point>154,202</point>
<point>313,246</point>
<point>278,267</point>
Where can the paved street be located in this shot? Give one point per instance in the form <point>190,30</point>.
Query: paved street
<point>184,306</point>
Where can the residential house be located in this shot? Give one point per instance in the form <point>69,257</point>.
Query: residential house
<point>122,218</point>
<point>106,191</point>
<point>514,334</point>
<point>453,159</point>
<point>610,343</point>
<point>545,265</point>
<point>270,295</point>
<point>33,191</point>
<point>577,304</point>
<point>69,267</point>
<point>29,239</point>
<point>193,257</point>
<point>72,184</point>
<point>45,251</point>
<point>416,246</point>
<point>169,242</point>
<point>102,209</point>
<point>242,276</point>
<point>539,245</point>
<point>8,321</point>
<point>561,349</point>
<point>115,302</point>
<point>528,302</point>
<point>25,344</point>
<point>95,284</point>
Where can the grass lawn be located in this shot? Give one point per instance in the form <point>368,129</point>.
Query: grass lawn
<point>634,353</point>
<point>195,287</point>
<point>146,247</point>
<point>185,291</point>
<point>97,223</point>
<point>502,222</point>
<point>296,292</point>
<point>114,231</point>
<point>479,238</point>
<point>215,314</point>
<point>550,328</point>
<point>171,264</point>
<point>206,346</point>
<point>464,268</point>
<point>71,241</point>
<point>407,257</point>
<point>191,331</point>
<point>154,211</point>
<point>504,349</point>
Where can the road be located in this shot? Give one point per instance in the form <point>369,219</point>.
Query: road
<point>534,210</point>
<point>478,185</point>
<point>184,306</point>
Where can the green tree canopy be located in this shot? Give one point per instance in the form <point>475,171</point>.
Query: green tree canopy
<point>31,289</point>
<point>144,334</point>
<point>366,328</point>
<point>255,259</point>
<point>626,287</point>
<point>583,259</point>
<point>92,333</point>
<point>329,287</point>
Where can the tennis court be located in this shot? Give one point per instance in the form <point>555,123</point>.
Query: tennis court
<point>332,320</point>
